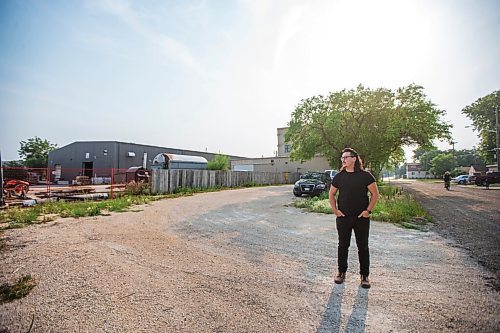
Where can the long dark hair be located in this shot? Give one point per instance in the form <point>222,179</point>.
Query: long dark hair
<point>358,164</point>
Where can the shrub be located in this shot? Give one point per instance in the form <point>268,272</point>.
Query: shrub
<point>220,162</point>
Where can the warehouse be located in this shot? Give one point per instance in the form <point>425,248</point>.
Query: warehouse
<point>98,159</point>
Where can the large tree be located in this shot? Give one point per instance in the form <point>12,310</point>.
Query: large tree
<point>426,158</point>
<point>377,123</point>
<point>482,114</point>
<point>442,163</point>
<point>35,152</point>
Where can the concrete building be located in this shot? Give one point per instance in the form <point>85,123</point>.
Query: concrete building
<point>281,162</point>
<point>96,159</point>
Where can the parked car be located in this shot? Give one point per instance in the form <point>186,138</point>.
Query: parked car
<point>311,183</point>
<point>491,177</point>
<point>462,179</point>
<point>331,173</point>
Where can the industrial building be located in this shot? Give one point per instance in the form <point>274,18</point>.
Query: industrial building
<point>281,162</point>
<point>97,159</point>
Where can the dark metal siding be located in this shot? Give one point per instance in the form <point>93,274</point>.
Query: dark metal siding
<point>72,157</point>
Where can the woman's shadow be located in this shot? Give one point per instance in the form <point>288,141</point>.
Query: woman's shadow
<point>331,321</point>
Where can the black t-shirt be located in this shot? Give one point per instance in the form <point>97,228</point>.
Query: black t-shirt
<point>353,191</point>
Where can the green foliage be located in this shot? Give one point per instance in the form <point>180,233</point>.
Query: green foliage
<point>35,152</point>
<point>463,157</point>
<point>482,114</point>
<point>426,157</point>
<point>468,157</point>
<point>394,206</point>
<point>18,290</point>
<point>442,163</point>
<point>377,123</point>
<point>220,162</point>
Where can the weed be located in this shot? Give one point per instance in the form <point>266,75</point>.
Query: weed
<point>20,289</point>
<point>133,188</point>
<point>394,206</point>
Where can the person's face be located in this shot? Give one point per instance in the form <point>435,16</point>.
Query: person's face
<point>348,160</point>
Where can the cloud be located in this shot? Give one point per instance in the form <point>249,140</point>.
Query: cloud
<point>172,48</point>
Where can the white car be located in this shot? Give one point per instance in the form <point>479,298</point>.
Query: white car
<point>462,179</point>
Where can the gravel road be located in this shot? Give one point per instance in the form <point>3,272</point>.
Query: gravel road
<point>467,215</point>
<point>237,261</point>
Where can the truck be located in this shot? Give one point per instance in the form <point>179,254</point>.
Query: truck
<point>491,177</point>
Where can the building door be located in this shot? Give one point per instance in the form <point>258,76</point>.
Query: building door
<point>57,172</point>
<point>88,169</point>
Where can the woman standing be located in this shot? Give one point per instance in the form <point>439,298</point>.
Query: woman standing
<point>353,209</point>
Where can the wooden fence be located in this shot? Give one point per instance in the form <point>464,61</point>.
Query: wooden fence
<point>166,181</point>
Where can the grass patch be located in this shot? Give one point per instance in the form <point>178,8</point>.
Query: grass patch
<point>22,217</point>
<point>395,206</point>
<point>18,290</point>
<point>134,195</point>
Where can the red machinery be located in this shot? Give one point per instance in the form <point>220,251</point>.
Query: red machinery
<point>16,188</point>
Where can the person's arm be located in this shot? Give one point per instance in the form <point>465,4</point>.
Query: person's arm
<point>373,188</point>
<point>333,201</point>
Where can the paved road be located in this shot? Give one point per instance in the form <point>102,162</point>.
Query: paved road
<point>469,215</point>
<point>237,261</point>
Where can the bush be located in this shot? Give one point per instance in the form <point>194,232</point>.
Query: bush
<point>133,188</point>
<point>220,162</point>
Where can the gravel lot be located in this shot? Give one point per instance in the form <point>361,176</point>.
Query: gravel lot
<point>237,261</point>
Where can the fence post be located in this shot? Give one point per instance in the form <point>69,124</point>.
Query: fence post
<point>49,179</point>
<point>112,183</point>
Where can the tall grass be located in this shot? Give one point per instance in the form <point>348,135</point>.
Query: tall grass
<point>394,206</point>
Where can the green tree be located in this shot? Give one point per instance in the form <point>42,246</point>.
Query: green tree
<point>482,114</point>
<point>377,123</point>
<point>220,162</point>
<point>426,158</point>
<point>35,152</point>
<point>468,157</point>
<point>442,163</point>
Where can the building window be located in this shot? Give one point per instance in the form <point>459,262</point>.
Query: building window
<point>288,148</point>
<point>87,155</point>
<point>131,154</point>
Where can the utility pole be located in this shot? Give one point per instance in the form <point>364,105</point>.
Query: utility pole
<point>2,202</point>
<point>497,149</point>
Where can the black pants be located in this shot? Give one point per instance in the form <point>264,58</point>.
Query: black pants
<point>361,227</point>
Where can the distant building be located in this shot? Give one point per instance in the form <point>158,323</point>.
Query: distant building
<point>492,167</point>
<point>281,162</point>
<point>477,169</point>
<point>415,171</point>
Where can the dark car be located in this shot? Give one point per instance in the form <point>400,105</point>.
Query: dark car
<point>312,183</point>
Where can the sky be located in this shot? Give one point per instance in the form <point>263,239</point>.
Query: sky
<point>222,76</point>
